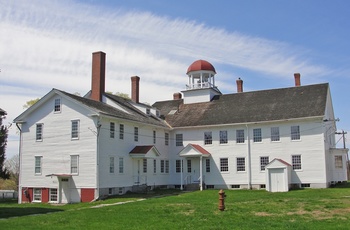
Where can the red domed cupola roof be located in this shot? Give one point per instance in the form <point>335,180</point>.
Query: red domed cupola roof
<point>200,65</point>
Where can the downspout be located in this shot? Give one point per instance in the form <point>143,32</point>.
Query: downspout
<point>201,173</point>
<point>249,160</point>
<point>19,163</point>
<point>181,174</point>
<point>98,126</point>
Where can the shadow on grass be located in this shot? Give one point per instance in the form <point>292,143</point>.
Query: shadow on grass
<point>7,212</point>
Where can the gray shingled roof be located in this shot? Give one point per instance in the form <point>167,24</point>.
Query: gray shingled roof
<point>256,106</point>
<point>133,113</point>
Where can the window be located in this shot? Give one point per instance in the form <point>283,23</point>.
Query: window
<point>154,166</point>
<point>338,160</point>
<point>162,166</point>
<point>74,164</point>
<point>223,137</point>
<point>178,166</point>
<point>208,140</point>
<point>207,165</point>
<point>111,165</point>
<point>157,113</point>
<point>144,163</point>
<point>263,162</point>
<point>189,166</point>
<point>275,134</point>
<point>296,162</point>
<point>136,134</point>
<point>154,136</point>
<point>53,194</point>
<point>257,135</point>
<point>111,129</point>
<point>166,166</point>
<point>39,132</point>
<point>224,164</point>
<point>148,111</point>
<point>121,165</point>
<point>179,140</point>
<point>121,131</point>
<point>38,164</point>
<point>75,129</point>
<point>295,132</point>
<point>240,136</point>
<point>166,137</point>
<point>57,106</point>
<point>37,194</point>
<point>110,191</point>
<point>240,164</point>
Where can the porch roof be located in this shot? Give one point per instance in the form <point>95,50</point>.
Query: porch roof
<point>64,175</point>
<point>144,151</point>
<point>194,150</point>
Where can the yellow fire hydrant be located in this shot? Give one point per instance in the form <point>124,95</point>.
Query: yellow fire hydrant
<point>222,200</point>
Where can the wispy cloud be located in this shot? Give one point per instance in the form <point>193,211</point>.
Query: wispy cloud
<point>48,44</point>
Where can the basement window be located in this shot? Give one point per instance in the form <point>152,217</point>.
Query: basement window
<point>235,186</point>
<point>305,186</point>
<point>210,186</point>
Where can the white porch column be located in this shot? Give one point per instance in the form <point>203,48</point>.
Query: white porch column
<point>201,173</point>
<point>181,187</point>
<point>201,80</point>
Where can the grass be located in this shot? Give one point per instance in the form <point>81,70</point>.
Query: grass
<point>245,209</point>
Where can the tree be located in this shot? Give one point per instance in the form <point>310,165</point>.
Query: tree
<point>124,95</point>
<point>3,142</point>
<point>30,103</point>
<point>12,165</point>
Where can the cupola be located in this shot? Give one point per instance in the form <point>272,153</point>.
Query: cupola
<point>201,83</point>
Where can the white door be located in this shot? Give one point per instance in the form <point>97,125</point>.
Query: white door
<point>64,190</point>
<point>277,180</point>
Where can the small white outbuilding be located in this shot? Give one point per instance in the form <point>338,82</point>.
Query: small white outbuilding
<point>278,176</point>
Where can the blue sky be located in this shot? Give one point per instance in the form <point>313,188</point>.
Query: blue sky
<point>48,44</point>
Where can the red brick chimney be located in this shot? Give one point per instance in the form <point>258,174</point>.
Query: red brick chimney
<point>297,79</point>
<point>239,82</point>
<point>98,75</point>
<point>135,88</point>
<point>177,96</point>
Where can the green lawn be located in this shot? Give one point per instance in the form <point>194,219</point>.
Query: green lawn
<point>245,209</point>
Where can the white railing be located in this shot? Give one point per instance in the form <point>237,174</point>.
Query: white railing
<point>200,85</point>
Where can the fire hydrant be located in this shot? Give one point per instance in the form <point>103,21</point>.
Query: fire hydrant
<point>222,200</point>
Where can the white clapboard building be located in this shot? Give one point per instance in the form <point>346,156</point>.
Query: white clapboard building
<point>78,149</point>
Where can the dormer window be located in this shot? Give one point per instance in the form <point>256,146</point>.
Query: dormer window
<point>157,113</point>
<point>148,111</point>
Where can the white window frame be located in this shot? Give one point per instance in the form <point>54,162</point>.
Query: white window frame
<point>208,138</point>
<point>207,165</point>
<point>240,164</point>
<point>264,160</point>
<point>75,129</point>
<point>166,138</point>
<point>189,166</point>
<point>223,137</point>
<point>179,139</point>
<point>74,164</point>
<point>297,162</point>
<point>57,105</point>
<point>111,129</point>
<point>295,133</point>
<point>154,166</point>
<point>39,132</point>
<point>257,135</point>
<point>162,166</point>
<point>37,194</point>
<point>178,166</point>
<point>240,138</point>
<point>38,165</point>
<point>338,161</point>
<point>121,165</point>
<point>111,165</point>
<point>136,134</point>
<point>121,131</point>
<point>53,196</point>
<point>224,164</point>
<point>275,134</point>
<point>144,164</point>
